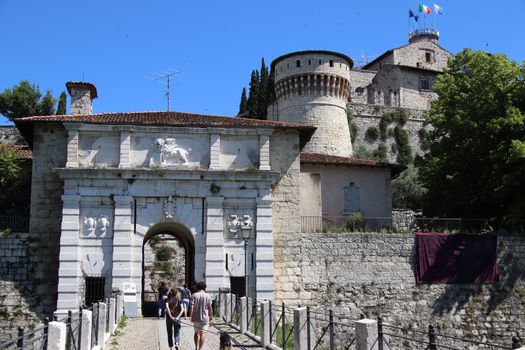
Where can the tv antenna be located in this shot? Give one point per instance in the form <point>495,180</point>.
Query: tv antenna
<point>166,75</point>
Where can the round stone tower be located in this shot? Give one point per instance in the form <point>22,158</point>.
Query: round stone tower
<point>312,87</point>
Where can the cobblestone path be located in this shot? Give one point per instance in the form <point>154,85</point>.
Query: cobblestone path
<point>150,334</point>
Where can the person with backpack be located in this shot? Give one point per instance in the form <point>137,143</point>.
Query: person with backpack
<point>174,310</point>
<point>186,295</point>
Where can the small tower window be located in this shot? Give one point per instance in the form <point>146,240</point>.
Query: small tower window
<point>309,62</point>
<point>298,63</point>
<point>429,57</point>
<point>424,84</point>
<point>331,63</point>
<point>320,62</point>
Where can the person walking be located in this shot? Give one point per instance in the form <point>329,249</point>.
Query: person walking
<point>201,314</point>
<point>174,310</point>
<point>161,300</point>
<point>186,295</point>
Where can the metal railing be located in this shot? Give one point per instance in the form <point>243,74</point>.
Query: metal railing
<point>35,339</point>
<point>431,340</point>
<point>358,223</point>
<point>15,223</point>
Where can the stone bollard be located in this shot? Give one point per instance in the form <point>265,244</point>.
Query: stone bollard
<point>101,325</point>
<point>56,336</point>
<point>366,334</point>
<point>228,309</point>
<point>243,304</point>
<point>112,310</point>
<point>222,305</point>
<point>87,323</point>
<point>265,323</point>
<point>300,329</point>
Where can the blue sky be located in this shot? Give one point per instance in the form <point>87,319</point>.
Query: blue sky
<point>117,45</point>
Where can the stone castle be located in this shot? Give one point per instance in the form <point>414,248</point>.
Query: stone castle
<point>232,191</point>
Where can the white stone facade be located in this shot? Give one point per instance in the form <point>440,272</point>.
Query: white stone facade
<point>122,186</point>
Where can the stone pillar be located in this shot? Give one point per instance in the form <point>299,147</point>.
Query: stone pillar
<point>122,242</point>
<point>228,309</point>
<point>69,260</point>
<point>72,148</point>
<point>300,336</point>
<point>111,310</point>
<point>214,269</point>
<point>265,323</point>
<point>56,337</point>
<point>125,149</point>
<point>264,152</point>
<point>215,151</point>
<point>101,325</point>
<point>366,334</point>
<point>87,322</point>
<point>264,284</point>
<point>243,304</point>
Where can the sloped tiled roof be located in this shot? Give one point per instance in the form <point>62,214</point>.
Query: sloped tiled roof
<point>166,118</point>
<point>23,152</point>
<point>316,158</point>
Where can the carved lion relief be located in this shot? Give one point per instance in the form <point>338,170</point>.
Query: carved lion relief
<point>96,226</point>
<point>168,152</point>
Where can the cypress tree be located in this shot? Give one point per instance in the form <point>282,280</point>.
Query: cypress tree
<point>253,96</point>
<point>243,106</point>
<point>262,101</point>
<point>62,100</point>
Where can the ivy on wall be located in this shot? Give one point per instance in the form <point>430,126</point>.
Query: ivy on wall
<point>352,125</point>
<point>424,139</point>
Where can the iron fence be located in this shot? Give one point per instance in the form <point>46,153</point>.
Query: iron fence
<point>34,339</point>
<point>14,223</point>
<point>431,340</point>
<point>359,223</point>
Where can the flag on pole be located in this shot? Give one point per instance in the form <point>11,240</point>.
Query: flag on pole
<point>438,10</point>
<point>411,14</point>
<point>425,9</point>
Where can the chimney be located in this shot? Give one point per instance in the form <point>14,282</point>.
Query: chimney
<point>82,95</point>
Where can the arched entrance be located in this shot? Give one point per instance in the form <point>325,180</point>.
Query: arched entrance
<point>168,254</point>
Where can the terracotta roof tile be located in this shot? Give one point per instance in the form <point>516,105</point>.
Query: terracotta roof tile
<point>23,152</point>
<point>315,158</point>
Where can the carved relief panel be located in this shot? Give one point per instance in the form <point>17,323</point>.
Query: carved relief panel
<point>168,151</point>
<point>96,217</point>
<point>239,220</point>
<point>98,151</point>
<point>239,152</point>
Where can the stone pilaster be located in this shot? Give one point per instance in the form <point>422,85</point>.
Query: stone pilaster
<point>72,148</point>
<point>122,242</point>
<point>125,149</point>
<point>215,151</point>
<point>69,259</point>
<point>264,249</point>
<point>214,244</point>
<point>264,152</point>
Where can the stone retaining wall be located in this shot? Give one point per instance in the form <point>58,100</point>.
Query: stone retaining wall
<point>19,302</point>
<point>373,274</point>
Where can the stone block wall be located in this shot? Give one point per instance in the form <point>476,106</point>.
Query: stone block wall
<point>9,135</point>
<point>20,302</point>
<point>373,274</point>
<point>366,116</point>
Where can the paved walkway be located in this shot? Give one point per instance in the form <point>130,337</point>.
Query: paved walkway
<point>150,334</point>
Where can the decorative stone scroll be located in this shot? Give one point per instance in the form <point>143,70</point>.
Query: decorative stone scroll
<point>237,222</point>
<point>170,208</point>
<point>96,226</point>
<point>168,152</point>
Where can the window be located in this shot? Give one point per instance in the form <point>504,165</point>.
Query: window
<point>298,63</point>
<point>424,84</point>
<point>331,63</point>
<point>429,56</point>
<point>359,90</point>
<point>351,198</point>
<point>94,290</point>
<point>309,62</point>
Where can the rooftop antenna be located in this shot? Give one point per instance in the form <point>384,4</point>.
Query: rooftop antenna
<point>166,75</point>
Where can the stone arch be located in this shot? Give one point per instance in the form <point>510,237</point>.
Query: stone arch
<point>184,235</point>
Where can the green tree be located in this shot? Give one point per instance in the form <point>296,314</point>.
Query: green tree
<point>243,106</point>
<point>9,173</point>
<point>476,163</point>
<point>407,190</point>
<point>62,102</point>
<point>261,93</point>
<point>24,100</point>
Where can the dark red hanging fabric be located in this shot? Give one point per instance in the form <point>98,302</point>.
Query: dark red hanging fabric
<point>455,259</point>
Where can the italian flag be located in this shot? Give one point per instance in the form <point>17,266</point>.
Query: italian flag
<point>425,9</point>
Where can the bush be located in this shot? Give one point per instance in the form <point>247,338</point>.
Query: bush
<point>372,133</point>
<point>356,222</point>
<point>164,253</point>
